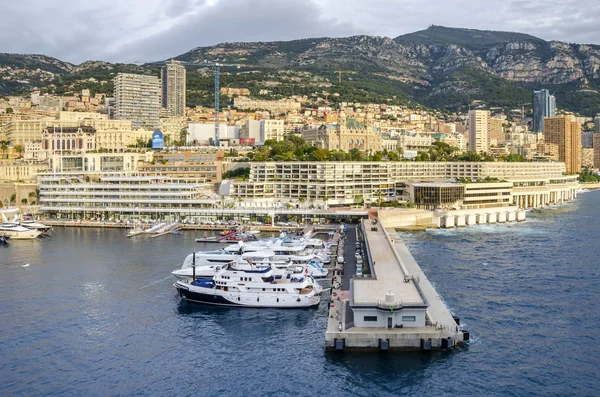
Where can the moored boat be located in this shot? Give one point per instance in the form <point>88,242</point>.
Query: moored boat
<point>17,232</point>
<point>252,288</point>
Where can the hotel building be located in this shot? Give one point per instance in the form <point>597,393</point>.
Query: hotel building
<point>338,183</point>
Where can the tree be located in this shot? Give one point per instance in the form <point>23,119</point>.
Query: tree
<point>359,200</point>
<point>19,149</point>
<point>4,146</point>
<point>24,201</point>
<point>9,110</point>
<point>13,197</point>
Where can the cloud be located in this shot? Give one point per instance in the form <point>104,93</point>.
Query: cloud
<point>146,30</point>
<point>237,20</point>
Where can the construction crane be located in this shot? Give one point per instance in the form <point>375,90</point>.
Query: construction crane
<point>339,72</point>
<point>206,64</point>
<point>523,109</point>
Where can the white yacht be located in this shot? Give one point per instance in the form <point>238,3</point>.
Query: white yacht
<point>266,287</point>
<point>248,260</point>
<point>295,250</point>
<point>28,222</point>
<point>209,262</point>
<point>16,232</point>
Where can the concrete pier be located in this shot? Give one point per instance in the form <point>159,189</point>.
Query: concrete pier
<point>393,308</point>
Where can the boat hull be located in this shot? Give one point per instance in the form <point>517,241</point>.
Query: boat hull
<point>18,235</point>
<point>220,298</point>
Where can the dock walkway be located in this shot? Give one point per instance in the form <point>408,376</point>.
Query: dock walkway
<point>395,271</point>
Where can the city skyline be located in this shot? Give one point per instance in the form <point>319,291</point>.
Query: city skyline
<point>155,30</point>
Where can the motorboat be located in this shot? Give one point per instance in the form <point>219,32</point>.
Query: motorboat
<point>266,287</point>
<point>30,223</point>
<point>287,249</point>
<point>17,232</point>
<point>209,262</point>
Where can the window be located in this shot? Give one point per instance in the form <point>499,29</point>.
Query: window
<point>370,318</point>
<point>409,319</point>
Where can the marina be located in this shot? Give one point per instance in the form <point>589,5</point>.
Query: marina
<point>113,310</point>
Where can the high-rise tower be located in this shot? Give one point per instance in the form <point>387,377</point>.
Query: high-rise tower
<point>137,98</point>
<point>544,105</point>
<point>173,88</point>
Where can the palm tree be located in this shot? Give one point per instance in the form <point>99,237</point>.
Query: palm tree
<point>4,146</point>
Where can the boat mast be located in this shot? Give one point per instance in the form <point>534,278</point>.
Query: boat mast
<point>194,265</point>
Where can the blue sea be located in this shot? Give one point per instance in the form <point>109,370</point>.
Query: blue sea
<point>95,314</point>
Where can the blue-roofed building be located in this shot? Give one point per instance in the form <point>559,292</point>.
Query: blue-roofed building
<point>157,139</point>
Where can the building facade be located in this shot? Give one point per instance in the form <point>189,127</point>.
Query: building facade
<point>496,132</point>
<point>137,98</point>
<point>565,133</point>
<point>479,130</point>
<point>173,88</point>
<point>347,135</point>
<point>544,105</point>
<point>597,150</point>
<point>339,183</point>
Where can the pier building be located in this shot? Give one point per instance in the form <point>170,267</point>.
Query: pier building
<point>394,307</point>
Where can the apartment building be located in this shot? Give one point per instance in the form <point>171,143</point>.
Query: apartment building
<point>137,98</point>
<point>597,150</point>
<point>479,130</point>
<point>173,80</point>
<point>496,131</point>
<point>282,105</point>
<point>565,133</point>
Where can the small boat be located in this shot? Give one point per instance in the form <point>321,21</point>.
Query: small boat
<point>16,232</point>
<point>135,231</point>
<point>177,232</point>
<point>155,228</point>
<point>266,287</point>
<point>4,239</point>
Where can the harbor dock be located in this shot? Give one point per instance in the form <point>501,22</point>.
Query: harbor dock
<point>395,307</point>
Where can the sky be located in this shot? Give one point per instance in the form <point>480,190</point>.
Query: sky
<point>151,30</point>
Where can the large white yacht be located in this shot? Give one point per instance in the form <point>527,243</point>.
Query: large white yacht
<point>208,263</point>
<point>16,232</point>
<point>28,222</point>
<point>266,287</point>
<point>295,250</point>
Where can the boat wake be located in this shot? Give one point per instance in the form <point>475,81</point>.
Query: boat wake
<point>156,282</point>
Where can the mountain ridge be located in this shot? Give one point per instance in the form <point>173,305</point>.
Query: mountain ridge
<point>439,66</point>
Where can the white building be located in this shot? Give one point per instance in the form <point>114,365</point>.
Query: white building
<point>479,130</point>
<point>252,129</point>
<point>137,98</point>
<point>204,134</point>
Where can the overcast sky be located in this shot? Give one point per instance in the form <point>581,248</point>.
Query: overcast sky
<point>148,30</point>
